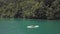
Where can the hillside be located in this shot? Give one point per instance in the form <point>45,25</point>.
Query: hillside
<point>32,9</point>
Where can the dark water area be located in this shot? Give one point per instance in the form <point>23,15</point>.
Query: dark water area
<point>19,26</point>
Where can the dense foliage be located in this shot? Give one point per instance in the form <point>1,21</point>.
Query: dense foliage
<point>33,9</point>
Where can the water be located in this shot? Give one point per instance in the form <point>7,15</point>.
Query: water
<point>19,26</point>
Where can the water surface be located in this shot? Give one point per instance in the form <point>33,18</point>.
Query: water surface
<point>19,26</point>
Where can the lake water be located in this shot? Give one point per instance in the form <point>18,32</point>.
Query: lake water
<point>19,26</point>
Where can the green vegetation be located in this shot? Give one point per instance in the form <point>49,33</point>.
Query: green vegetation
<point>32,9</point>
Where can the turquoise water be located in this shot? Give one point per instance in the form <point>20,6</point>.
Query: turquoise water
<point>19,26</point>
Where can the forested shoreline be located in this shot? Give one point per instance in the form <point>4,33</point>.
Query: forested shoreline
<point>30,9</point>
